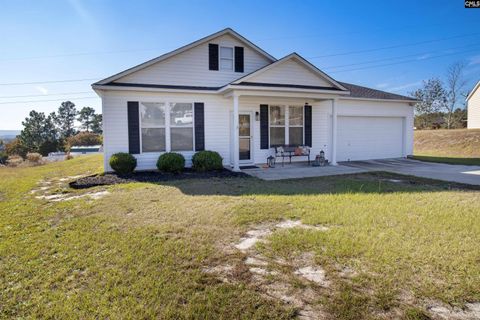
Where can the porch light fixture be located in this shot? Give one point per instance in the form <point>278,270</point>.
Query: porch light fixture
<point>257,116</point>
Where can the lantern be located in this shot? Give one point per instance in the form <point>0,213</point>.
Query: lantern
<point>271,161</point>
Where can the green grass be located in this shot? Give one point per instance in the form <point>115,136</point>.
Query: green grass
<point>449,160</point>
<point>139,252</point>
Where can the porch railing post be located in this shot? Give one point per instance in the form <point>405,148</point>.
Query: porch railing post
<point>334,132</point>
<point>236,166</point>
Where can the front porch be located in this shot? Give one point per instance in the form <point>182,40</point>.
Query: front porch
<point>298,170</point>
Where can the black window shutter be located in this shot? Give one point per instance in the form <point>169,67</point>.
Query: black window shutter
<point>308,125</point>
<point>238,59</point>
<point>199,114</point>
<point>212,56</point>
<point>133,127</point>
<point>264,126</point>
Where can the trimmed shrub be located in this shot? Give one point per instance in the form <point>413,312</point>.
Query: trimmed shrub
<point>34,157</point>
<point>123,163</point>
<point>171,162</point>
<point>3,157</point>
<point>207,161</point>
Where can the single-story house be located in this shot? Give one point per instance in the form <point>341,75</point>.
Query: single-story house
<point>226,94</point>
<point>473,108</point>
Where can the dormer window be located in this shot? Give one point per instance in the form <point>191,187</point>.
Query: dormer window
<point>226,58</point>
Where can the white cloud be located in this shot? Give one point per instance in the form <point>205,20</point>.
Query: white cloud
<point>80,10</point>
<point>405,86</point>
<point>474,60</point>
<point>424,56</point>
<point>41,89</point>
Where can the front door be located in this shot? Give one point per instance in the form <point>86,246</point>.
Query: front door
<point>245,137</point>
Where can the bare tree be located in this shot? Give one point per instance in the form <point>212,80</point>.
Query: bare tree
<point>455,85</point>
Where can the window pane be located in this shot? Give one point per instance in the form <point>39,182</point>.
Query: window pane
<point>153,140</point>
<point>226,64</point>
<point>295,116</point>
<point>277,115</point>
<point>181,114</point>
<point>182,139</point>
<point>277,136</point>
<point>226,52</point>
<point>244,125</point>
<point>295,136</point>
<point>152,114</point>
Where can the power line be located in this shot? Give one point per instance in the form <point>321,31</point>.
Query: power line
<point>44,95</point>
<point>397,57</point>
<point>49,81</point>
<point>391,47</point>
<point>51,100</point>
<point>400,62</point>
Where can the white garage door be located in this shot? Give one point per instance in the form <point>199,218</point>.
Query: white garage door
<point>364,138</point>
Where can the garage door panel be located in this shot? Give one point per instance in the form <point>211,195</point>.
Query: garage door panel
<point>364,138</point>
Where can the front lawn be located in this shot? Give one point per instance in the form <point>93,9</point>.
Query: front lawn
<point>390,246</point>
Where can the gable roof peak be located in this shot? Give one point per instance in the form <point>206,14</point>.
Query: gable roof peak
<point>203,40</point>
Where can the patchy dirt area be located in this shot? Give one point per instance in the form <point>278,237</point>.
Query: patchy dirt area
<point>58,190</point>
<point>279,279</point>
<point>471,311</point>
<point>150,176</point>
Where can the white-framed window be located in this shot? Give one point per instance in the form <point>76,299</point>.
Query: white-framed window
<point>181,126</point>
<point>286,125</point>
<point>153,129</point>
<point>277,125</point>
<point>166,126</point>
<point>226,58</point>
<point>295,125</point>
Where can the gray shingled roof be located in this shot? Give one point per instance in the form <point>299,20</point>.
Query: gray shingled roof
<point>364,92</point>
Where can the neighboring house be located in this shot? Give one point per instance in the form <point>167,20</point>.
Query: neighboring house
<point>473,108</point>
<point>224,93</point>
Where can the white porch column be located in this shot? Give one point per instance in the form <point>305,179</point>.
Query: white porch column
<point>235,146</point>
<point>334,132</point>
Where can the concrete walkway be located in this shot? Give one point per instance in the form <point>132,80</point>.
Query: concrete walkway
<point>301,170</point>
<point>431,170</point>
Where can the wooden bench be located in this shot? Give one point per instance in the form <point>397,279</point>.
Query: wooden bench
<point>289,151</point>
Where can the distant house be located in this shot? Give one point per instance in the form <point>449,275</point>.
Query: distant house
<point>74,150</point>
<point>226,94</point>
<point>473,108</point>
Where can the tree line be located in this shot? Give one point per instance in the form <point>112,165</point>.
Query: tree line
<point>442,103</point>
<point>56,131</point>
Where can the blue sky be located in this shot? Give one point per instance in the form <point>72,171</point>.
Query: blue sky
<point>388,45</point>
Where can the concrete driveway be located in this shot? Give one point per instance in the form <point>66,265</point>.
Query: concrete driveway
<point>439,171</point>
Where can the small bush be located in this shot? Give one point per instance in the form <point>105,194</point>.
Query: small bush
<point>34,157</point>
<point>68,156</point>
<point>3,157</point>
<point>16,147</point>
<point>123,163</point>
<point>171,162</point>
<point>14,161</point>
<point>207,161</point>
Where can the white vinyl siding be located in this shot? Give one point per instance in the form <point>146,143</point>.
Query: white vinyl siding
<point>190,68</point>
<point>218,115</point>
<point>474,110</point>
<point>291,72</point>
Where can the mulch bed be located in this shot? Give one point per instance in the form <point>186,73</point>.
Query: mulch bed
<point>151,176</point>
